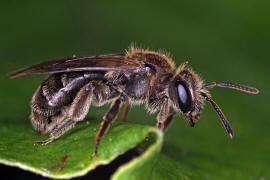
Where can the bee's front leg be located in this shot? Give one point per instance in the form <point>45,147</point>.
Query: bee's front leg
<point>165,117</point>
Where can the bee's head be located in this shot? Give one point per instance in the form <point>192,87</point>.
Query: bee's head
<point>184,92</point>
<point>187,93</point>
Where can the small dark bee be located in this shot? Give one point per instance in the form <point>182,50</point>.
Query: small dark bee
<point>136,77</point>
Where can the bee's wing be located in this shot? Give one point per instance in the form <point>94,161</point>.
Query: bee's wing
<point>109,62</point>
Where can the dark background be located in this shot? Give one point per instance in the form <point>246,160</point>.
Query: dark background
<point>222,40</point>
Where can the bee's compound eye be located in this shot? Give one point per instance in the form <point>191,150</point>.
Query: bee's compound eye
<point>184,98</point>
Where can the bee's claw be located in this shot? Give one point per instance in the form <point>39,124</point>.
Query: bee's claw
<point>39,143</point>
<point>94,155</point>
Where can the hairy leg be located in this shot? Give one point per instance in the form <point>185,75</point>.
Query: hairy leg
<point>165,117</point>
<point>76,112</point>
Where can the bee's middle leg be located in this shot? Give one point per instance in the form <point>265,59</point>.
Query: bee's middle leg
<point>107,120</point>
<point>125,111</point>
<point>76,112</point>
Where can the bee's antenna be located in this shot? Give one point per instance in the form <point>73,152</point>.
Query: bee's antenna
<point>238,87</point>
<point>222,117</point>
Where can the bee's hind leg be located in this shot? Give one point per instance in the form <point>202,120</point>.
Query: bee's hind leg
<point>57,132</point>
<point>76,112</point>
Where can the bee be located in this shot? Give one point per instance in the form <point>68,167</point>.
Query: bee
<point>135,77</point>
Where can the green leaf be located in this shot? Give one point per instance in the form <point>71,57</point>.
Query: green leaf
<point>75,148</point>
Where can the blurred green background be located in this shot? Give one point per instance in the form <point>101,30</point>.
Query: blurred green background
<point>222,40</point>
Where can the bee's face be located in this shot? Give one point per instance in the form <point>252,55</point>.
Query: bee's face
<point>184,92</point>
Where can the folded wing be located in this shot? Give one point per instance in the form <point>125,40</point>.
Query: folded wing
<point>109,62</point>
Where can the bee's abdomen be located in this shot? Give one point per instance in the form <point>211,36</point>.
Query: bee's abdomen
<point>41,98</point>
